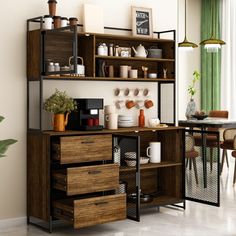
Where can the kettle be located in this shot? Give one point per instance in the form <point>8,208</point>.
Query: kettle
<point>140,51</point>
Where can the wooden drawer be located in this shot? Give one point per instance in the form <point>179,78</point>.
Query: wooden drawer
<point>76,149</point>
<point>87,179</point>
<point>91,211</point>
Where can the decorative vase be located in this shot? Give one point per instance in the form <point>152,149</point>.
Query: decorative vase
<point>191,109</point>
<point>60,121</point>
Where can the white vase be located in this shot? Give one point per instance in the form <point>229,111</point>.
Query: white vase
<point>191,109</point>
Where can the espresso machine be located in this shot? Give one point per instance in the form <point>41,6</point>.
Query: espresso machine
<point>87,115</point>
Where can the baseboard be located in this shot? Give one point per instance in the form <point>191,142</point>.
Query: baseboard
<point>12,222</point>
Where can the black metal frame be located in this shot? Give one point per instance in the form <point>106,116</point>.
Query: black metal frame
<point>203,134</point>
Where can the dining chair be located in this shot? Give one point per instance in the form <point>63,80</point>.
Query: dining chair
<point>211,139</point>
<point>227,144</point>
<point>234,155</point>
<point>191,154</point>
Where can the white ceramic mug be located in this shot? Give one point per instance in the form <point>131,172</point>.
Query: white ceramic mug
<point>112,121</point>
<point>129,92</point>
<point>146,92</point>
<point>139,104</point>
<point>108,109</point>
<point>120,104</point>
<point>154,152</point>
<point>153,122</point>
<point>119,92</point>
<point>138,92</point>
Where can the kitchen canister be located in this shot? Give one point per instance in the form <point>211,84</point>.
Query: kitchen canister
<point>47,24</point>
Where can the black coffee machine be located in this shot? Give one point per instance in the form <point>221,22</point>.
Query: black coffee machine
<point>87,115</point>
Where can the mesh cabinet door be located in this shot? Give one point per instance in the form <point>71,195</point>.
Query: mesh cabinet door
<point>202,167</point>
<point>126,152</point>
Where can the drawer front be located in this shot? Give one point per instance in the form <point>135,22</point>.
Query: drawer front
<point>91,211</point>
<point>87,148</point>
<point>88,179</point>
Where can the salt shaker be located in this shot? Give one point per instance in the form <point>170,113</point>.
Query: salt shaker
<point>56,66</point>
<point>51,67</point>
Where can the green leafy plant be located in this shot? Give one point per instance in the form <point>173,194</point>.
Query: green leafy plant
<point>59,103</point>
<point>191,89</point>
<point>4,144</point>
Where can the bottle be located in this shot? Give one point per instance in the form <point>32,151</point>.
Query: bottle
<point>141,119</point>
<point>110,49</point>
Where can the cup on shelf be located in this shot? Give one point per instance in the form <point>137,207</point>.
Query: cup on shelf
<point>133,73</point>
<point>47,24</point>
<point>64,21</point>
<point>152,75</point>
<point>130,104</point>
<point>154,152</point>
<point>124,71</point>
<point>112,121</point>
<point>148,103</point>
<point>109,71</point>
<point>153,122</point>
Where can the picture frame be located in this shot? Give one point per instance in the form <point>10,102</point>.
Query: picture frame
<point>142,22</point>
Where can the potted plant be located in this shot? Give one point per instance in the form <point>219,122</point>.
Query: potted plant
<point>191,107</point>
<point>4,144</point>
<point>60,104</point>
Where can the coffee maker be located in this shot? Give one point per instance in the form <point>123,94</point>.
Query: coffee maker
<point>87,115</point>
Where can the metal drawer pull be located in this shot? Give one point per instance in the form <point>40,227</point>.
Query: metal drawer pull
<point>87,142</point>
<point>94,172</point>
<point>101,203</point>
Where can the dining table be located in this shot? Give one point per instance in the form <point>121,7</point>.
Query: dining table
<point>204,125</point>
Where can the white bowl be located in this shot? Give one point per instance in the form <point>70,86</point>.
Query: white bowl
<point>130,162</point>
<point>130,155</point>
<point>144,160</point>
<point>152,75</point>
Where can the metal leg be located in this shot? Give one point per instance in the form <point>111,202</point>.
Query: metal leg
<point>204,161</point>
<point>190,164</point>
<point>195,170</point>
<point>223,160</point>
<point>186,163</point>
<point>211,157</point>
<point>227,160</point>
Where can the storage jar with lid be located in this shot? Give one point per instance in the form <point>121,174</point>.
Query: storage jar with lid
<point>73,21</point>
<point>57,22</point>
<point>52,7</point>
<point>64,21</point>
<point>47,22</point>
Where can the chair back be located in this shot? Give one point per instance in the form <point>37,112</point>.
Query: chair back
<point>217,114</point>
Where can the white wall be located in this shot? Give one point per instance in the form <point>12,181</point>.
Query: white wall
<point>188,61</point>
<point>13,78</point>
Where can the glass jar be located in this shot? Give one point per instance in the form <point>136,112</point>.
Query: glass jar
<point>51,67</point>
<point>47,24</point>
<point>73,21</point>
<point>64,21</point>
<point>56,66</point>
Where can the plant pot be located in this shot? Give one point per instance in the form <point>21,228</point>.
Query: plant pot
<point>60,122</point>
<point>191,109</point>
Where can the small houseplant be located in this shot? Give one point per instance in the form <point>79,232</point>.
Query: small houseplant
<point>60,104</point>
<point>191,107</point>
<point>4,144</point>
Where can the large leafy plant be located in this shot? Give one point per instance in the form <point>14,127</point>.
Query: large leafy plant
<point>4,144</point>
<point>191,89</point>
<point>59,103</point>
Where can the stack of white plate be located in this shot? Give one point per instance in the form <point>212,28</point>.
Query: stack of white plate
<point>130,158</point>
<point>125,121</point>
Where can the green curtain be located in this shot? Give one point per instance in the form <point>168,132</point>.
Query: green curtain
<point>210,62</point>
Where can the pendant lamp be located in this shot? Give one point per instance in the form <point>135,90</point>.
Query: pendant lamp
<point>212,44</point>
<point>186,45</point>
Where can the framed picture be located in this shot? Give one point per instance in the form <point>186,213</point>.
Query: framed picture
<point>142,21</point>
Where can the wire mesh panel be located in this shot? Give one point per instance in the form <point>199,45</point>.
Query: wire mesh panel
<point>126,154</point>
<point>202,166</point>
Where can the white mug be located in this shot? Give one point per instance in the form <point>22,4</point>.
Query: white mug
<point>120,104</point>
<point>138,92</point>
<point>139,104</point>
<point>119,92</point>
<point>111,121</point>
<point>129,92</point>
<point>146,92</point>
<point>153,122</point>
<point>133,73</point>
<point>154,152</point>
<point>108,109</point>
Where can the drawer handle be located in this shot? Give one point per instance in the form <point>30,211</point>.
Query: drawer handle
<point>94,172</point>
<point>100,203</point>
<point>87,142</point>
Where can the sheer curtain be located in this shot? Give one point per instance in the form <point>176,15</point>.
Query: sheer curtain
<point>228,62</point>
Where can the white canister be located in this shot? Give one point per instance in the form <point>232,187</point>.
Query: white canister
<point>154,152</point>
<point>64,21</point>
<point>108,109</point>
<point>112,121</point>
<point>47,22</point>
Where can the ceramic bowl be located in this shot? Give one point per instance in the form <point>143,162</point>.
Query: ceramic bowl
<point>144,160</point>
<point>152,75</point>
<point>153,122</point>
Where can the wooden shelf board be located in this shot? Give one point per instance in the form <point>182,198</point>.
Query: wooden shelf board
<point>107,131</point>
<point>135,59</point>
<point>151,166</point>
<point>75,78</point>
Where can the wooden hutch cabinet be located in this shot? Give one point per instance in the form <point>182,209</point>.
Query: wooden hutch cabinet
<point>72,175</point>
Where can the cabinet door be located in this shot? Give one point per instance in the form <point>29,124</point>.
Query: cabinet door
<point>128,149</point>
<point>202,167</point>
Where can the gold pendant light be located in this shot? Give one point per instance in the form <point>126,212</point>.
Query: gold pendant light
<point>186,44</point>
<point>212,44</point>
